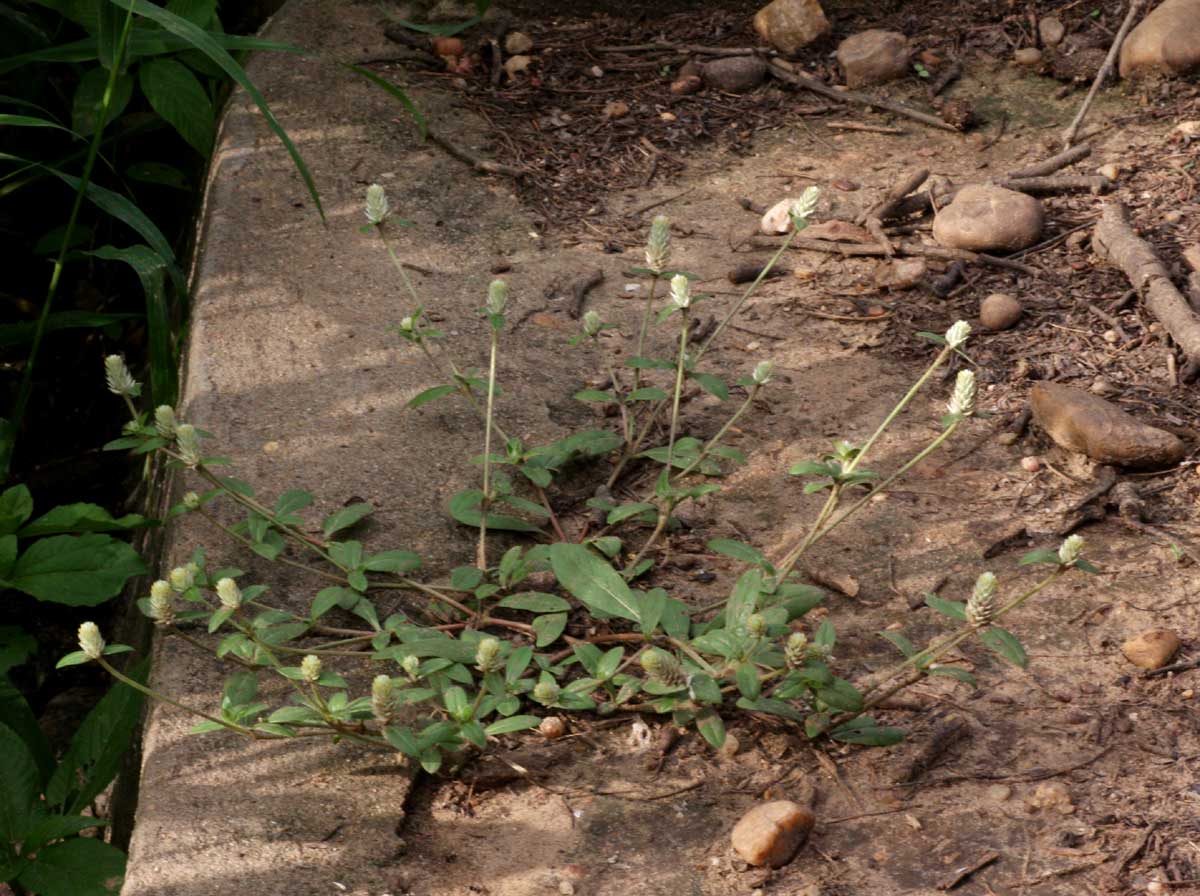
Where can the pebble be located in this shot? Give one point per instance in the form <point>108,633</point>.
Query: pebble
<point>1080,421</point>
<point>1051,30</point>
<point>874,57</point>
<point>985,218</point>
<point>777,218</point>
<point>1174,216</point>
<point>1028,56</point>
<point>735,74</point>
<point>616,109</point>
<point>515,65</point>
<point>1111,171</point>
<point>686,85</point>
<point>1112,337</point>
<point>900,273</point>
<point>1031,464</point>
<point>730,747</point>
<point>1151,649</point>
<point>552,727</point>
<point>791,25</point>
<point>448,46</point>
<point>998,793</point>
<point>999,311</point>
<point>517,42</point>
<point>1052,795</point>
<point>1165,42</point>
<point>771,833</point>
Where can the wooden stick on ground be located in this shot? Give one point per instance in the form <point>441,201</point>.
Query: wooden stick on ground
<point>808,82</point>
<point>485,166</point>
<point>1135,7</point>
<point>1054,163</point>
<point>1116,241</point>
<point>904,248</point>
<point>884,209</point>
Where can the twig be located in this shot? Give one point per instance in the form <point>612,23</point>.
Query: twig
<point>579,290</point>
<point>851,249</point>
<point>1054,163</point>
<point>808,82</point>
<point>1181,666</point>
<point>1069,135</point>
<point>946,78</point>
<point>959,875</point>
<point>856,126</point>
<point>902,188</point>
<point>1058,872</point>
<point>485,166</point>
<point>1096,184</point>
<point>642,209</point>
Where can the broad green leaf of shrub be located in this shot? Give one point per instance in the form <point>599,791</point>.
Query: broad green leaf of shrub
<point>81,518</point>
<point>179,98</point>
<point>20,787</point>
<point>16,506</point>
<point>81,866</point>
<point>77,570</point>
<point>593,581</point>
<point>85,106</point>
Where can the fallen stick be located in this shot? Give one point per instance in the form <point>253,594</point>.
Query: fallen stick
<point>861,249</point>
<point>1135,7</point>
<point>895,195</point>
<point>1055,163</point>
<point>808,82</point>
<point>869,128</point>
<point>1096,184</point>
<point>1116,241</point>
<point>482,165</point>
<point>945,79</point>
<point>579,290</point>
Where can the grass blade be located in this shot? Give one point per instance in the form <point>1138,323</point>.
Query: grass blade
<point>397,94</point>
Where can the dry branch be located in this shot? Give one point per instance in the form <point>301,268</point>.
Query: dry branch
<point>896,194</point>
<point>1115,240</point>
<point>909,248</point>
<point>1135,7</point>
<point>1054,163</point>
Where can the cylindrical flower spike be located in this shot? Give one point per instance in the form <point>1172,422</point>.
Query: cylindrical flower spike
<point>795,651</point>
<point>120,380</point>
<point>802,209</point>
<point>411,666</point>
<point>1070,549</point>
<point>164,421</point>
<point>91,642</point>
<point>487,655</point>
<point>229,594</point>
<point>192,501</point>
<point>310,668</point>
<point>383,699</point>
<point>187,442</point>
<point>162,610</point>
<point>658,245</point>
<point>681,291</point>
<point>181,578</point>
<point>981,606</point>
<point>592,324</point>
<point>762,373</point>
<point>958,333</point>
<point>663,668</point>
<point>377,208</point>
<point>756,625</point>
<point>497,296</point>
<point>962,400</point>
<point>546,692</point>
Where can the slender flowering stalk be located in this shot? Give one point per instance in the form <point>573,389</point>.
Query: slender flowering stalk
<point>496,300</point>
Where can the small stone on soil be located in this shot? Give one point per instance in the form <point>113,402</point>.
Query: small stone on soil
<point>900,273</point>
<point>771,833</point>
<point>1052,795</point>
<point>1028,56</point>
<point>984,218</point>
<point>517,42</point>
<point>999,311</point>
<point>1151,649</point>
<point>1051,31</point>
<point>873,57</point>
<point>790,25</point>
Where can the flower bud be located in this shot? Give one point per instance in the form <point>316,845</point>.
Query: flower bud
<point>164,421</point>
<point>192,501</point>
<point>663,668</point>
<point>162,610</point>
<point>756,625</point>
<point>407,324</point>
<point>958,333</point>
<point>497,296</point>
<point>981,607</point>
<point>762,373</point>
<point>411,666</point>
<point>803,208</point>
<point>1070,549</point>
<point>181,578</point>
<point>962,400</point>
<point>91,641</point>
<point>229,594</point>
<point>681,293</point>
<point>658,245</point>
<point>552,727</point>
<point>377,204</point>
<point>187,442</point>
<point>546,692</point>
<point>487,655</point>
<point>383,699</point>
<point>592,325</point>
<point>310,668</point>
<point>120,380</point>
<point>796,649</point>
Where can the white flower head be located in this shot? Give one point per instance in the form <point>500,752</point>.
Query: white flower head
<point>377,204</point>
<point>406,324</point>
<point>487,655</point>
<point>756,625</point>
<point>120,380</point>
<point>802,209</point>
<point>681,293</point>
<point>592,324</point>
<point>497,296</point>
<point>229,594</point>
<point>383,700</point>
<point>546,692</point>
<point>192,501</point>
<point>658,245</point>
<point>164,421</point>
<point>310,668</point>
<point>962,400</point>
<point>181,578</point>
<point>162,610</point>
<point>981,606</point>
<point>796,649</point>
<point>1070,549</point>
<point>958,333</point>
<point>762,373</point>
<point>187,442</point>
<point>91,641</point>
<point>411,666</point>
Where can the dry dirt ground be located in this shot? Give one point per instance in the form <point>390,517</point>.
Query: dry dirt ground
<point>1077,775</point>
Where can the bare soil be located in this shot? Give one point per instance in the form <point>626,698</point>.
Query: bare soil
<point>1077,774</point>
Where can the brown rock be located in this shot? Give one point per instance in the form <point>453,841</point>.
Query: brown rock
<point>735,74</point>
<point>1051,31</point>
<point>685,85</point>
<point>999,311</point>
<point>517,42</point>
<point>900,273</point>
<point>1152,649</point>
<point>1166,42</point>
<point>1028,56</point>
<point>1051,795</point>
<point>984,218</point>
<point>790,25</point>
<point>516,65</point>
<point>448,46</point>
<point>873,57</point>
<point>771,833</point>
<point>1079,421</point>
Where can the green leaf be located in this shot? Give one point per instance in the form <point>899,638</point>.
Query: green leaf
<point>20,787</point>
<point>465,578</point>
<point>198,12</point>
<point>345,518</point>
<point>548,628</point>
<point>647,393</point>
<point>841,695</point>
<point>16,506</point>
<point>954,672</point>
<point>292,501</point>
<point>89,93</point>
<point>1006,644</point>
<point>748,682</point>
<point>397,94</point>
<point>902,643</point>
<point>593,581</point>
<point>864,730</point>
<point>771,706</point>
<point>594,395</point>
<point>651,607</point>
<point>57,827</point>
<point>744,599</point>
<point>392,561</point>
<point>81,518</point>
<point>739,551</point>
<point>713,385</point>
<point>180,100</point>
<point>710,726</point>
<point>625,511</point>
<point>81,866</point>
<point>703,689</point>
<point>535,602</point>
<point>158,173</point>
<point>8,555</point>
<point>77,570</point>
<point>94,756</point>
<point>430,395</point>
<point>650,363</point>
<point>403,740</point>
<point>1035,557</point>
<point>464,507</point>
<point>813,468</point>
<point>511,724</point>
<point>950,608</point>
